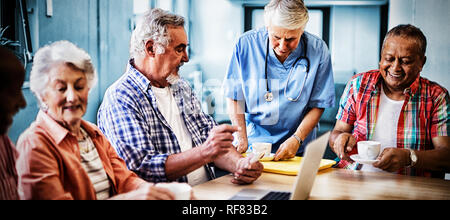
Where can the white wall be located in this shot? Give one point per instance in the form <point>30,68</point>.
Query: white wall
<point>432,17</point>
<point>355,40</point>
<point>216,26</point>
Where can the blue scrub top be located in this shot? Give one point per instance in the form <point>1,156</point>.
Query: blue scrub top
<point>276,121</point>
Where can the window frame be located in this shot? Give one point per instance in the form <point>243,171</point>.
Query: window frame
<point>14,15</point>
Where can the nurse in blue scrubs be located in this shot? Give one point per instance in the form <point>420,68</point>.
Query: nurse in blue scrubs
<point>279,82</point>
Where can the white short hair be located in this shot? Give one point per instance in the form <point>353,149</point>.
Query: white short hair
<point>153,26</point>
<point>289,14</point>
<point>60,52</point>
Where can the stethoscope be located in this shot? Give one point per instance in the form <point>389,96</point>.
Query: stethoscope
<point>269,95</point>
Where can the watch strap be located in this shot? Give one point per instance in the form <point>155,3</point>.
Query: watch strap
<point>412,158</point>
<point>300,141</point>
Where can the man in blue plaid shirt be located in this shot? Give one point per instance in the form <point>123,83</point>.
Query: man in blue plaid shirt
<point>154,120</point>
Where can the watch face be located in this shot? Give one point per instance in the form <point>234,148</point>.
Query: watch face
<point>414,158</point>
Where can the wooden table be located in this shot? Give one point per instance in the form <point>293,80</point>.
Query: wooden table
<point>338,184</point>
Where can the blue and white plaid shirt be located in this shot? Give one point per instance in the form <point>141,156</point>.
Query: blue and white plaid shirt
<point>130,119</point>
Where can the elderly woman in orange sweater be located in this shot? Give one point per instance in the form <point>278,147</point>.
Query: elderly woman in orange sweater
<point>61,155</point>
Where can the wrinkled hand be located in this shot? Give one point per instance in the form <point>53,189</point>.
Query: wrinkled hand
<point>287,150</point>
<point>147,192</point>
<point>219,142</point>
<point>170,186</point>
<point>242,145</point>
<point>392,159</point>
<point>344,144</point>
<point>247,172</point>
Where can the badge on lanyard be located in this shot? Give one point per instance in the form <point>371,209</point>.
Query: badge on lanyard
<point>268,96</point>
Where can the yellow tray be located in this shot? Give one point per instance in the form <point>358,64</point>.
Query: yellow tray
<point>291,166</point>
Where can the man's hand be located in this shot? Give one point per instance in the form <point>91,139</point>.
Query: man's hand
<point>341,140</point>
<point>219,141</point>
<point>247,172</point>
<point>392,159</point>
<point>344,144</point>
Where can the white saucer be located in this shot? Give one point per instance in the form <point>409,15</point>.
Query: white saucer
<point>268,158</point>
<point>356,158</point>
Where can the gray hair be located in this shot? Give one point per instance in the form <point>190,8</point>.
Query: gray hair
<point>153,26</point>
<point>289,14</point>
<point>60,52</point>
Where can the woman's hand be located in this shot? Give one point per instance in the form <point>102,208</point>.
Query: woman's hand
<point>287,150</point>
<point>147,192</point>
<point>242,145</point>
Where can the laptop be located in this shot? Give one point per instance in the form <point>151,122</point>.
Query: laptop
<point>304,180</point>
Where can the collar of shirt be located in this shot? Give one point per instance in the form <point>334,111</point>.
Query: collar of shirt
<point>140,80</point>
<point>411,90</point>
<point>59,133</point>
<point>143,83</point>
<point>290,59</point>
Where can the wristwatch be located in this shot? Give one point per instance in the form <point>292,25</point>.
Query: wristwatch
<point>300,141</point>
<point>413,157</point>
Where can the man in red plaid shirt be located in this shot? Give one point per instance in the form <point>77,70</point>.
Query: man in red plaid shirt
<point>406,113</point>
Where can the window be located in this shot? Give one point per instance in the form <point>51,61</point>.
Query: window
<point>166,5</point>
<point>319,20</point>
<point>315,25</point>
<point>15,30</point>
<point>180,7</point>
<point>140,6</point>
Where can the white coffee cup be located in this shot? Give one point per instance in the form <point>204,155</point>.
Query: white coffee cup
<point>262,147</point>
<point>369,150</point>
<point>182,191</point>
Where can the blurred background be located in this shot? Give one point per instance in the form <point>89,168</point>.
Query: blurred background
<point>352,29</point>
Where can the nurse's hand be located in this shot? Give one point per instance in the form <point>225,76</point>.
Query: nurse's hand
<point>287,150</point>
<point>242,145</point>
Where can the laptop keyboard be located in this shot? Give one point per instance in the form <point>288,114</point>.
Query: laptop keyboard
<point>277,196</point>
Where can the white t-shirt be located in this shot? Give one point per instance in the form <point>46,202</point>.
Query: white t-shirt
<point>169,109</point>
<point>386,126</point>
